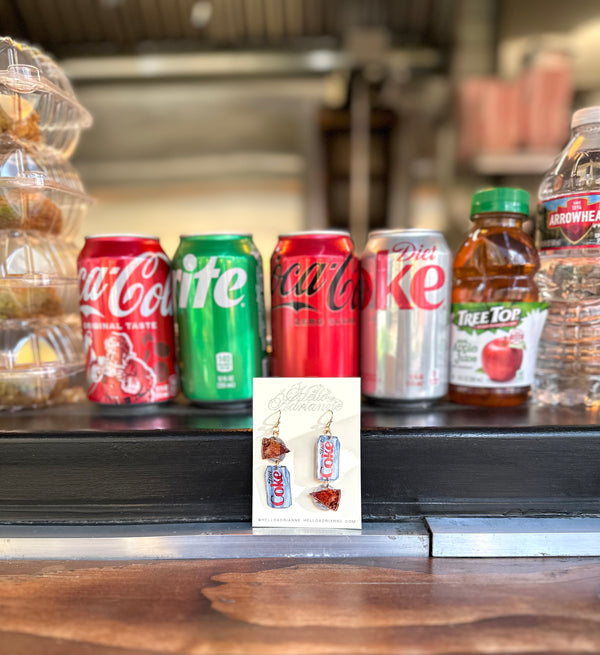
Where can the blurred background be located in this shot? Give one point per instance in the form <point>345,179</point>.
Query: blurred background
<point>270,116</point>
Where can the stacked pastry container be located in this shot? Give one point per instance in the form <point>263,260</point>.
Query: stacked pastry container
<point>42,205</point>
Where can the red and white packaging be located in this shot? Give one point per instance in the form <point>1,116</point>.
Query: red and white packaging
<point>489,116</point>
<point>547,89</point>
<point>500,107</point>
<point>315,305</point>
<point>126,310</point>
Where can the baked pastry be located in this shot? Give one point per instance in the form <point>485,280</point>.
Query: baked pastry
<point>29,387</point>
<point>28,302</point>
<point>29,211</point>
<point>32,391</point>
<point>18,118</point>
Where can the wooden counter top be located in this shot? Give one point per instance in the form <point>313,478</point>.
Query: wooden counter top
<point>303,606</point>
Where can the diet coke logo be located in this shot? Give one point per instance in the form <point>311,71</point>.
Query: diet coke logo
<point>413,283</point>
<point>409,252</point>
<point>278,489</point>
<point>298,287</point>
<point>326,454</point>
<point>137,287</point>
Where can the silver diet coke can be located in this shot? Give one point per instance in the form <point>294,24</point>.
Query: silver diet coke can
<point>406,285</point>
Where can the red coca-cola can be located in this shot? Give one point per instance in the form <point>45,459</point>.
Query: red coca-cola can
<point>127,319</point>
<point>315,305</point>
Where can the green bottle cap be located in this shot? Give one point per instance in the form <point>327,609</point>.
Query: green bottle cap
<point>500,199</point>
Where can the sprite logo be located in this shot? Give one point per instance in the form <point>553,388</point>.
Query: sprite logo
<point>222,284</point>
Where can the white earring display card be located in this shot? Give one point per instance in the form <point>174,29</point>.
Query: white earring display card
<point>306,453</point>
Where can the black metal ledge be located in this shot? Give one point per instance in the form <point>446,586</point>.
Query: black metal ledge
<point>85,464</point>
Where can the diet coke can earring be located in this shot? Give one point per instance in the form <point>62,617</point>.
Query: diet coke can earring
<point>327,469</point>
<point>277,477</point>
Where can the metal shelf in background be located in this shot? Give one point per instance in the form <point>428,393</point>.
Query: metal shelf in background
<point>514,537</point>
<point>210,541</point>
<point>513,163</point>
<point>447,537</point>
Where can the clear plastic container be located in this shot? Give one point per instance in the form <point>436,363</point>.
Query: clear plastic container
<point>41,362</point>
<point>38,276</point>
<point>42,205</point>
<point>37,101</point>
<point>568,232</point>
<point>39,190</point>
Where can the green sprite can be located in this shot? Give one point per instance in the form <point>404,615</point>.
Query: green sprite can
<point>220,310</point>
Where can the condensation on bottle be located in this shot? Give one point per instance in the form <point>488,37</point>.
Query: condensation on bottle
<point>568,233</point>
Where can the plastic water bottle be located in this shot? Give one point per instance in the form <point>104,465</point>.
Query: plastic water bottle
<point>568,232</point>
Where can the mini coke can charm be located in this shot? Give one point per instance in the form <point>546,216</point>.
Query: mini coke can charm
<point>405,316</point>
<point>127,320</point>
<point>328,458</point>
<point>315,305</point>
<point>279,492</point>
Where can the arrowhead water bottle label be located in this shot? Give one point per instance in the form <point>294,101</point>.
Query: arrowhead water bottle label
<point>279,494</point>
<point>328,458</point>
<point>570,221</point>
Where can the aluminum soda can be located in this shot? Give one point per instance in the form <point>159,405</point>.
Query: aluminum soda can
<point>219,305</point>
<point>127,319</point>
<point>315,305</point>
<point>406,285</point>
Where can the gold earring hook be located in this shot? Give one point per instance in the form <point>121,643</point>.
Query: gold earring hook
<point>327,428</point>
<point>276,426</point>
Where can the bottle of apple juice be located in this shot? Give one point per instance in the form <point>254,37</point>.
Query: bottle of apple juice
<point>497,318</point>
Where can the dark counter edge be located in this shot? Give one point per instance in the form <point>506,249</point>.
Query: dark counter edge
<point>121,476</point>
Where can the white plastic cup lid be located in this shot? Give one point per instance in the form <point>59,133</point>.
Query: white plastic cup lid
<point>585,116</point>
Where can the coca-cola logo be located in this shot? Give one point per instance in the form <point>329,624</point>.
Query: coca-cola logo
<point>413,286</point>
<point>298,287</point>
<point>137,287</point>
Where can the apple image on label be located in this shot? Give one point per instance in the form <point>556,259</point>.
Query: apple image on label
<point>500,360</point>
